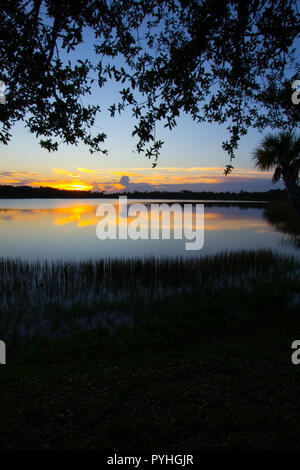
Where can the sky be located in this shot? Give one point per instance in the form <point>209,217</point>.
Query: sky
<point>191,157</point>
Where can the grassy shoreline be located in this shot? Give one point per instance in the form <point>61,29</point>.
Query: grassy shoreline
<point>55,298</point>
<point>208,367</point>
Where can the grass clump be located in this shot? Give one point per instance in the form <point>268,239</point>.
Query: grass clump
<point>56,298</point>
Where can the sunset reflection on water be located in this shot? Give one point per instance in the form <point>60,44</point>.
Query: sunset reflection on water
<point>67,229</point>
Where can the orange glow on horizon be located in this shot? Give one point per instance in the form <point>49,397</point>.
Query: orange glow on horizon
<point>112,180</point>
<point>69,186</point>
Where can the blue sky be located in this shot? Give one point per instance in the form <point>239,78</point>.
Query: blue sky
<point>196,147</point>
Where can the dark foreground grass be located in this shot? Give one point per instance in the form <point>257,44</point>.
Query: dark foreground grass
<point>200,372</point>
<point>50,299</point>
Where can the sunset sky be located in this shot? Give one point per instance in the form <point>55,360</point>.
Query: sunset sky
<point>191,158</point>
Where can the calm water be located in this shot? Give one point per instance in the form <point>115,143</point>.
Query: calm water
<point>60,228</point>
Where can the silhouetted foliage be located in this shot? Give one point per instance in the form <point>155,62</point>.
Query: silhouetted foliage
<point>11,192</point>
<point>219,61</point>
<point>282,152</point>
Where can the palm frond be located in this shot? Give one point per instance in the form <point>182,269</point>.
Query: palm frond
<point>277,149</point>
<point>264,158</point>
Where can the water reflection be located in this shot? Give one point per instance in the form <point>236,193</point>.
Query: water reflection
<point>67,229</point>
<point>284,218</point>
<point>82,215</point>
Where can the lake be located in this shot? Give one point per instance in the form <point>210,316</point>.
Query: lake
<point>66,228</point>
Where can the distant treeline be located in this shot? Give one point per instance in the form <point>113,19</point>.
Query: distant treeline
<point>15,192</point>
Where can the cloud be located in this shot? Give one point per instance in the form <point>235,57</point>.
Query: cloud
<point>178,183</point>
<point>128,186</point>
<point>145,179</point>
<point>125,180</point>
<point>18,178</point>
<point>62,172</point>
<point>17,175</point>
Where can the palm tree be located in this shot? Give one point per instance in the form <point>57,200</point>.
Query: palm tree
<point>282,152</point>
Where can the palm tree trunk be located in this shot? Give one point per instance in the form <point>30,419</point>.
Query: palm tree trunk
<point>293,190</point>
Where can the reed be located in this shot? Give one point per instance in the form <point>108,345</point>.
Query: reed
<point>51,298</point>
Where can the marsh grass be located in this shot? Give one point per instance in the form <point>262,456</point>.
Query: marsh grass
<point>56,298</point>
<point>189,354</point>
